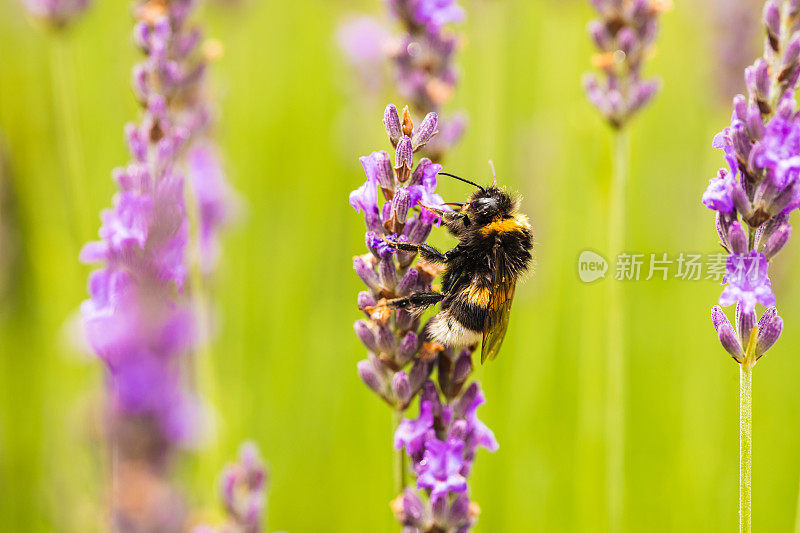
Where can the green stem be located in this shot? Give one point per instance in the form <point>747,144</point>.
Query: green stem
<point>745,445</point>
<point>615,403</point>
<point>71,145</point>
<point>399,457</point>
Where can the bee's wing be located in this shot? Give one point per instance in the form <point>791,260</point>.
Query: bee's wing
<point>502,295</point>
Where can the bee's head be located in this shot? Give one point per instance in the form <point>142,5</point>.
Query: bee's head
<point>484,206</point>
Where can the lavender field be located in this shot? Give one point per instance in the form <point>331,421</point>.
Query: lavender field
<point>223,306</point>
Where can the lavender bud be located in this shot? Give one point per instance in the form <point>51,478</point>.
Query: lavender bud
<point>413,507</point>
<point>467,398</point>
<point>718,317</point>
<point>391,120</point>
<point>367,274</point>
<point>365,300</point>
<point>786,107</point>
<point>777,241</point>
<point>136,143</point>
<point>740,200</point>
<point>385,174</point>
<point>459,509</point>
<point>794,8</point>
<point>727,337</point>
<point>723,222</point>
<point>371,378</point>
<point>419,172</point>
<point>408,282</point>
<point>741,140</point>
<point>792,52</point>
<point>755,126</point>
<point>408,347</point>
<point>387,273</point>
<point>737,238</point>
<point>405,319</point>
<point>419,232</point>
<point>784,198</point>
<point>385,340</point>
<point>642,94</point>
<point>597,30</point>
<point>425,131</point>
<point>401,203</point>
<point>418,376</point>
<point>745,322</point>
<point>626,40</point>
<point>401,387</point>
<point>403,159</point>
<point>365,335</point>
<point>439,508</point>
<point>769,330</point>
<point>462,369</point>
<point>772,21</point>
<point>740,107</point>
<point>757,78</point>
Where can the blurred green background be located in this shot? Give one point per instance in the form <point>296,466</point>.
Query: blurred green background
<point>293,122</point>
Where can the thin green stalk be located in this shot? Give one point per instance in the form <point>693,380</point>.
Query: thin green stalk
<point>797,514</point>
<point>70,144</point>
<point>615,392</point>
<point>745,445</point>
<point>399,457</point>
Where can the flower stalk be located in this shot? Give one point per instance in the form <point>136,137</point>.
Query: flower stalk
<point>745,446</point>
<point>623,34</point>
<point>615,406</point>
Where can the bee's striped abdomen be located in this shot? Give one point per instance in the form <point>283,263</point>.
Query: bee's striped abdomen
<point>463,316</point>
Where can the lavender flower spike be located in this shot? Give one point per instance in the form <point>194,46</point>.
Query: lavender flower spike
<point>56,13</point>
<point>243,487</point>
<point>623,35</point>
<point>442,441</point>
<point>753,199</point>
<point>139,318</point>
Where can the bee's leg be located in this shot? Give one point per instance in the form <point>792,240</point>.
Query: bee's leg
<point>418,300</point>
<point>426,251</point>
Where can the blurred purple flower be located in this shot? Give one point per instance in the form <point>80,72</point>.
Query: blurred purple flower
<point>435,14</point>
<point>138,318</point>
<point>362,39</point>
<point>623,35</point>
<point>57,13</point>
<point>215,200</point>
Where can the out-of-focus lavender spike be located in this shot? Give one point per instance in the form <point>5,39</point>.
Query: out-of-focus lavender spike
<point>139,319</point>
<point>56,13</point>
<point>623,35</point>
<point>243,488</point>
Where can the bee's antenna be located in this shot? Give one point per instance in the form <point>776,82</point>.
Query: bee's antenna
<point>494,174</point>
<point>462,179</point>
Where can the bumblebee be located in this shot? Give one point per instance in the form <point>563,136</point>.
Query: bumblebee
<point>480,273</point>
